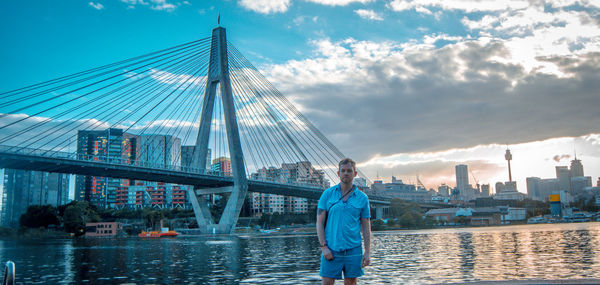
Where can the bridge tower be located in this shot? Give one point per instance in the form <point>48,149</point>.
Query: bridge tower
<point>218,74</point>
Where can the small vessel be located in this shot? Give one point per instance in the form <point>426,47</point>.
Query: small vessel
<point>164,232</point>
<point>269,231</point>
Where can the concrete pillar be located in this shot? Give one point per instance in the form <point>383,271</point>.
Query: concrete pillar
<point>218,73</point>
<point>379,212</point>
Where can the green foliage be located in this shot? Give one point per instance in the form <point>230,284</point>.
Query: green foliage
<point>152,217</point>
<point>377,225</point>
<point>411,220</point>
<point>408,214</point>
<point>77,214</point>
<point>39,216</point>
<point>275,220</point>
<point>5,232</point>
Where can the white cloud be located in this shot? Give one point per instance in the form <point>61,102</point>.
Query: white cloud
<point>533,33</point>
<point>159,5</point>
<point>368,14</point>
<point>487,163</point>
<point>175,79</point>
<point>417,96</point>
<point>97,6</point>
<point>266,6</point>
<point>339,2</point>
<point>464,5</point>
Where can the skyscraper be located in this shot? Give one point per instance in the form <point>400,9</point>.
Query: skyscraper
<point>111,145</point>
<point>485,190</point>
<point>462,180</point>
<point>222,165</point>
<point>20,189</point>
<point>563,174</point>
<point>187,152</point>
<point>576,168</point>
<point>160,150</point>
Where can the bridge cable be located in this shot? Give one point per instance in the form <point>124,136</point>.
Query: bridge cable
<point>81,73</point>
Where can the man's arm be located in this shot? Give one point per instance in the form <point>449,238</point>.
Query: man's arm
<point>321,217</point>
<point>365,225</point>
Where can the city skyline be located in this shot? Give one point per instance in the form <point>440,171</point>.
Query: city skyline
<point>428,84</point>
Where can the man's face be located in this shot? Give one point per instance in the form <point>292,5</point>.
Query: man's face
<point>347,173</point>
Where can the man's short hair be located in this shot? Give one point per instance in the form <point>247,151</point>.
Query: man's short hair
<point>347,161</point>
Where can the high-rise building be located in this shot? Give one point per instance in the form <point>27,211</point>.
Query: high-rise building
<point>485,190</point>
<point>160,150</point>
<point>462,181</point>
<point>541,189</point>
<point>360,182</point>
<point>499,187</point>
<point>187,152</point>
<point>444,190</point>
<point>508,191</point>
<point>579,183</point>
<point>533,190</point>
<point>20,189</point>
<point>576,168</point>
<point>222,165</point>
<point>301,172</point>
<point>563,174</point>
<point>110,145</point>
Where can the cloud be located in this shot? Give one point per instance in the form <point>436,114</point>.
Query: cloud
<point>266,6</point>
<point>486,163</point>
<point>368,14</point>
<point>159,5</point>
<point>339,2</point>
<point>558,158</point>
<point>464,5</point>
<point>98,6</point>
<point>416,97</point>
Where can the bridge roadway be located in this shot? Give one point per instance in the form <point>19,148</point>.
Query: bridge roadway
<point>63,162</point>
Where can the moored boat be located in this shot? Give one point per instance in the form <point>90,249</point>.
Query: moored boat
<point>164,232</point>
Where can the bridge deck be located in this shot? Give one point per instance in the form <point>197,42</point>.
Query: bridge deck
<point>124,171</point>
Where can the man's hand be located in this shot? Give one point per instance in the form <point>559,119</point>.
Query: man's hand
<point>327,253</point>
<point>366,260</point>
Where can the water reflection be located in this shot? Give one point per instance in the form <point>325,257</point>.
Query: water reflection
<point>413,257</point>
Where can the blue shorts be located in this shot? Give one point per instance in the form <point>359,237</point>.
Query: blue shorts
<point>347,261</point>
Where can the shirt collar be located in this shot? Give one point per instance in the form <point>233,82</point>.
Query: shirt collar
<point>339,188</point>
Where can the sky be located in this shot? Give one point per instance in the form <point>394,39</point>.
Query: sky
<point>406,88</point>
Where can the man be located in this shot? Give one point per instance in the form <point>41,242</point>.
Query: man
<point>342,214</point>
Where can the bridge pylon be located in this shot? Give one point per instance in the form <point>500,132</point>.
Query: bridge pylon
<point>218,74</point>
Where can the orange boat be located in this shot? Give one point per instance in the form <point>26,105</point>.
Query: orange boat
<point>157,234</point>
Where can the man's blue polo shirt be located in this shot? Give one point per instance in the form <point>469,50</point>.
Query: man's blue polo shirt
<point>342,230</point>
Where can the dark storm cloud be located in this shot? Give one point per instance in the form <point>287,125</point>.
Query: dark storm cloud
<point>453,97</point>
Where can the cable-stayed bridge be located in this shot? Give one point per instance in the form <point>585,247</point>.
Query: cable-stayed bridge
<point>128,120</point>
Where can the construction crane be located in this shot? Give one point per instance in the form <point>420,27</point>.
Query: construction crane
<point>419,183</point>
<point>476,181</point>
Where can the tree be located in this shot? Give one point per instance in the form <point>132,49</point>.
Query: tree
<point>411,219</point>
<point>39,216</point>
<point>399,207</point>
<point>76,215</point>
<point>377,225</point>
<point>152,217</point>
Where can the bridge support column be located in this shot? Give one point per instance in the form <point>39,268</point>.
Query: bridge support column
<point>379,212</point>
<point>218,73</point>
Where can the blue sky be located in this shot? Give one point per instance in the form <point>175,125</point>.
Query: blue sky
<point>429,83</point>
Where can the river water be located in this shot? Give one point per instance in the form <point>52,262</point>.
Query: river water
<point>547,251</point>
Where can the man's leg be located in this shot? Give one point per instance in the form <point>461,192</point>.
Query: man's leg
<point>329,281</point>
<point>350,281</point>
